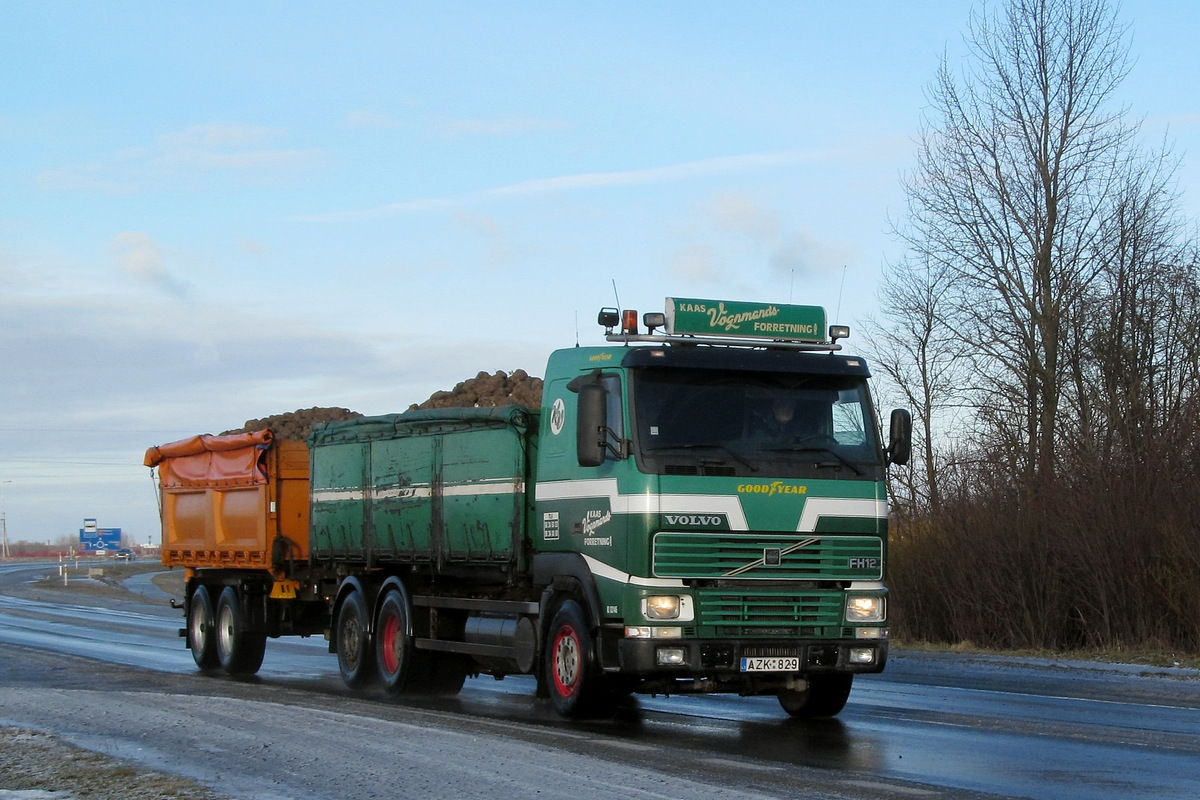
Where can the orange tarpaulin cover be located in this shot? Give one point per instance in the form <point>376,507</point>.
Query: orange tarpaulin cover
<point>203,461</point>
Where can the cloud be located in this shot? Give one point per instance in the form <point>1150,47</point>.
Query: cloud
<point>696,262</point>
<point>674,173</point>
<point>508,126</point>
<point>140,256</point>
<point>499,249</point>
<point>740,213</point>
<point>374,120</point>
<point>251,247</point>
<point>197,152</point>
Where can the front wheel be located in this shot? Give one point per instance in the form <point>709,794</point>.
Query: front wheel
<point>572,672</point>
<point>825,696</point>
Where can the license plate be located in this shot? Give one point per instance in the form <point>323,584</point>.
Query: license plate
<point>787,664</point>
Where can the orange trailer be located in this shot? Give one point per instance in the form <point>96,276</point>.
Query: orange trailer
<point>238,501</point>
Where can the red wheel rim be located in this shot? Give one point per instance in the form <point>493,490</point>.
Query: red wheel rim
<point>388,639</point>
<point>566,661</point>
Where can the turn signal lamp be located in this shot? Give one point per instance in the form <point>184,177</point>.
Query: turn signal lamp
<point>629,322</point>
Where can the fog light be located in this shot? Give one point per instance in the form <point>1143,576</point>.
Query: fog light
<point>670,656</point>
<point>862,655</point>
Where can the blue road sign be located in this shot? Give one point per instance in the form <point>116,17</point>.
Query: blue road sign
<point>99,538</point>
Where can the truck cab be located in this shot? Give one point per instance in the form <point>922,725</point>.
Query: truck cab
<point>721,500</point>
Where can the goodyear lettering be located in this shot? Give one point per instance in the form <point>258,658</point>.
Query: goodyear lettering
<point>771,489</point>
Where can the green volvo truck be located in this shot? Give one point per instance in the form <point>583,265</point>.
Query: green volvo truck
<point>696,508</point>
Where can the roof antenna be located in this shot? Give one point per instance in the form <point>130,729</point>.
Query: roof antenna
<point>615,295</point>
<point>838,315</point>
<point>791,283</point>
<point>577,327</point>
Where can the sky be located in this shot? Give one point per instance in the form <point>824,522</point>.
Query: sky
<point>215,212</point>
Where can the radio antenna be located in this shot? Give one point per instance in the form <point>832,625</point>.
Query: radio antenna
<point>615,295</point>
<point>838,316</point>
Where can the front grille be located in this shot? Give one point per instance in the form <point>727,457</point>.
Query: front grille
<point>770,614</point>
<point>717,555</point>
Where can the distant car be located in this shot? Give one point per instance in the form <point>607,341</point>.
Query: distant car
<point>124,554</point>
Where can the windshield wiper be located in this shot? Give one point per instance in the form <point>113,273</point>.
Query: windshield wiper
<point>695,446</point>
<point>811,449</point>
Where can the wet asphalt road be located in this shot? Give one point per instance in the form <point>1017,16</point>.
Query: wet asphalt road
<point>112,674</point>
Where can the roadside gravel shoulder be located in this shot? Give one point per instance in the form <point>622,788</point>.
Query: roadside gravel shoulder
<point>39,766</point>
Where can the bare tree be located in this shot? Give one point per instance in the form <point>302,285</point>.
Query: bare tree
<point>1014,178</point>
<point>921,357</point>
<point>1051,286</point>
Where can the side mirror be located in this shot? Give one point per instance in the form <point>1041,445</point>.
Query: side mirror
<point>589,429</point>
<point>899,448</point>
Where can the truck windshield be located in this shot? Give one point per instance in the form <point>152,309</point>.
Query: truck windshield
<point>705,422</point>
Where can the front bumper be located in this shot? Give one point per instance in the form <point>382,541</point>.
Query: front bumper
<point>722,658</point>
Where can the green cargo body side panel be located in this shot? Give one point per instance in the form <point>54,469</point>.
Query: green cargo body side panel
<point>437,487</point>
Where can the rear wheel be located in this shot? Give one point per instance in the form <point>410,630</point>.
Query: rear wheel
<point>394,647</point>
<point>403,668</point>
<point>202,629</point>
<point>825,696</point>
<point>572,672</point>
<point>239,651</point>
<point>356,659</point>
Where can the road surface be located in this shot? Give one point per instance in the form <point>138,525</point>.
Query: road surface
<point>110,673</point>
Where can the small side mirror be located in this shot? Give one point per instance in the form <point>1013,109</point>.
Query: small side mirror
<point>589,429</point>
<point>899,437</point>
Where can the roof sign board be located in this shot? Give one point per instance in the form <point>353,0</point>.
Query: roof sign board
<point>686,316</point>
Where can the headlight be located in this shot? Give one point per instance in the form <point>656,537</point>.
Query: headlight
<point>864,608</point>
<point>661,607</point>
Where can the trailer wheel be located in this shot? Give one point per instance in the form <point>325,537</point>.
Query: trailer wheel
<point>572,672</point>
<point>825,696</point>
<point>356,661</point>
<point>239,651</point>
<point>202,629</point>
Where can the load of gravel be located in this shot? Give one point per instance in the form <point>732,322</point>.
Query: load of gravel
<point>499,389</point>
<point>296,425</point>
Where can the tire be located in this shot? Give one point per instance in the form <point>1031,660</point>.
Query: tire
<point>394,645</point>
<point>202,629</point>
<point>239,651</point>
<point>355,648</point>
<point>572,671</point>
<point>825,696</point>
<point>405,669</point>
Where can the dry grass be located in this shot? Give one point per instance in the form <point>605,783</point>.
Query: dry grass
<point>32,761</point>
